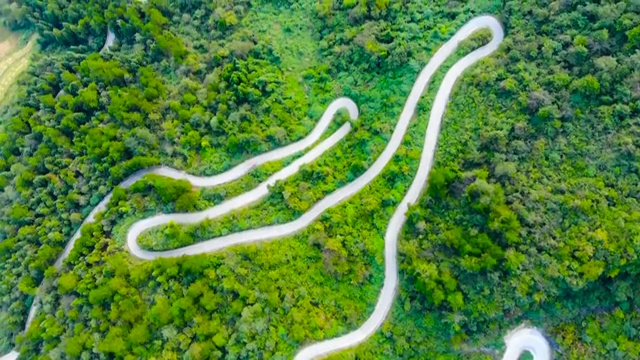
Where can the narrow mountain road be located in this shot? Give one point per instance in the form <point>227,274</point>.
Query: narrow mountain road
<point>234,173</point>
<point>519,342</point>
<point>11,356</point>
<point>108,42</point>
<point>523,340</point>
<point>526,340</point>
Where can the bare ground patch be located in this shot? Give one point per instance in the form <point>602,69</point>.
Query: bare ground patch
<point>7,46</point>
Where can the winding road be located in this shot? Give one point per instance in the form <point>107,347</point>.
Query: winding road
<point>529,340</point>
<point>108,42</point>
<point>522,340</point>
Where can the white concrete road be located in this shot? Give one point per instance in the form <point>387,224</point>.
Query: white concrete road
<point>236,172</point>
<point>527,340</point>
<point>11,356</point>
<point>523,340</point>
<point>108,42</point>
<point>232,174</point>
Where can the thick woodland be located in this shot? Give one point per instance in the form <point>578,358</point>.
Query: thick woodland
<point>531,215</point>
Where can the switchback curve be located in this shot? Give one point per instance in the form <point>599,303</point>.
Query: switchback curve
<point>530,341</point>
<point>394,228</point>
<point>230,175</point>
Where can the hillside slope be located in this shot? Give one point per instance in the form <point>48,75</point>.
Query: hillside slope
<point>531,214</point>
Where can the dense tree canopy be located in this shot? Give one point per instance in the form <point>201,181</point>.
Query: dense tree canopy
<point>531,214</point>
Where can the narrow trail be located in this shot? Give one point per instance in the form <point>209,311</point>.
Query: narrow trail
<point>522,340</point>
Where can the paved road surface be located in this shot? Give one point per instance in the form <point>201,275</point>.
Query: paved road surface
<point>233,174</point>
<point>108,42</point>
<point>527,340</point>
<point>522,340</point>
<point>10,356</point>
<point>519,342</point>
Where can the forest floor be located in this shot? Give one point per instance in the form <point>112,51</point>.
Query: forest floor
<point>12,61</point>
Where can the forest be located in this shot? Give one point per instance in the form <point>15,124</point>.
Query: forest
<point>531,214</point>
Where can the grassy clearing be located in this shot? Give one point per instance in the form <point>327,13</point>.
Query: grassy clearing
<point>11,66</point>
